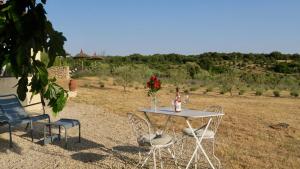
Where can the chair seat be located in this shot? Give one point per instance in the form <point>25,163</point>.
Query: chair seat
<point>156,140</point>
<point>39,117</point>
<point>67,123</point>
<point>16,122</point>
<point>199,133</point>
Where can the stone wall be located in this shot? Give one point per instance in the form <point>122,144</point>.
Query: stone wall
<point>59,72</point>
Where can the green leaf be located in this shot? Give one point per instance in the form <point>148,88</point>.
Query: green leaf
<point>44,1</point>
<point>22,88</point>
<point>57,97</point>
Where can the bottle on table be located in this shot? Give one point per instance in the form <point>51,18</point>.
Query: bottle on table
<point>177,101</point>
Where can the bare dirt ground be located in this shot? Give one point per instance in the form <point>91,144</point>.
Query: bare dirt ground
<point>244,139</point>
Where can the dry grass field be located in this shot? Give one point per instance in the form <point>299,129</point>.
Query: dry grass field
<point>245,139</point>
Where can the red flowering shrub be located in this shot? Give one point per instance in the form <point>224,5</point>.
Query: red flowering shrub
<point>153,84</point>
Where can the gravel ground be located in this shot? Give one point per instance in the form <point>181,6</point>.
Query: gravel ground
<point>107,142</point>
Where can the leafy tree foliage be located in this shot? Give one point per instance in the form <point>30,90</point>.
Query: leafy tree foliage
<point>193,68</point>
<point>24,31</point>
<point>124,75</point>
<point>286,68</point>
<point>178,77</point>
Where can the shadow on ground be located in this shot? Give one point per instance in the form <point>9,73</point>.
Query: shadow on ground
<point>4,147</point>
<point>130,149</point>
<point>88,157</point>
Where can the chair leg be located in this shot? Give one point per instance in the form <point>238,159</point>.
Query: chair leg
<point>66,138</point>
<point>219,163</point>
<point>26,127</point>
<point>196,160</point>
<point>79,137</point>
<point>174,158</point>
<point>148,155</point>
<point>59,131</point>
<point>184,140</point>
<point>31,131</point>
<point>10,137</point>
<point>154,159</point>
<point>160,159</point>
<point>181,146</point>
<point>140,155</point>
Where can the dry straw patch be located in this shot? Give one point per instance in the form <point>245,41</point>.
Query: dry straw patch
<point>245,139</point>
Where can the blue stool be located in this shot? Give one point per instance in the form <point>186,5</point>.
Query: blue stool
<point>66,124</point>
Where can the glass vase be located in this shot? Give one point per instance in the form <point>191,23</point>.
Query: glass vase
<point>154,103</point>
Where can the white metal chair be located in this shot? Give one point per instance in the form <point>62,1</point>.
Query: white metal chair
<point>206,132</point>
<point>147,138</point>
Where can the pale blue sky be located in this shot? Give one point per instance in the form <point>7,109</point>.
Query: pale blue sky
<point>122,27</point>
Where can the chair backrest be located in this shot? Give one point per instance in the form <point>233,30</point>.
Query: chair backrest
<point>12,108</point>
<point>140,126</point>
<point>3,117</point>
<point>216,120</point>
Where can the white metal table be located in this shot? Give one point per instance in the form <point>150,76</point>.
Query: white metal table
<point>187,114</point>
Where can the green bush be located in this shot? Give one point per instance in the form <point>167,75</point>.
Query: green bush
<point>178,77</point>
<point>193,88</point>
<point>258,92</point>
<point>276,93</point>
<point>294,93</point>
<point>202,85</point>
<point>124,76</point>
<point>242,92</point>
<point>225,89</point>
<point>209,89</point>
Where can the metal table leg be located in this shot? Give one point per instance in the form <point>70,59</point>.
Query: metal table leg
<point>154,126</point>
<point>198,142</point>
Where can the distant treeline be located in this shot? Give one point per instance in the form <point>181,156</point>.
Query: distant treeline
<point>218,62</point>
<point>213,56</point>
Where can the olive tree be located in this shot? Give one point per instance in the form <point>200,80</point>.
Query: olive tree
<point>229,81</point>
<point>193,68</point>
<point>124,75</point>
<point>178,77</point>
<point>143,73</point>
<point>24,31</point>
